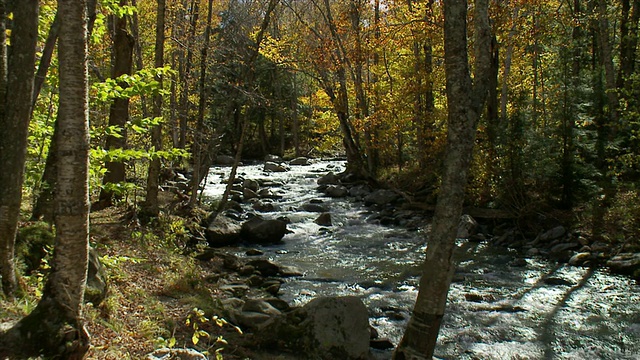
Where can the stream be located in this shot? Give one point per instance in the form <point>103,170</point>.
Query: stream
<point>494,311</point>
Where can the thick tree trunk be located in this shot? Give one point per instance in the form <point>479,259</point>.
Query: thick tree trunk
<point>151,206</point>
<point>122,50</point>
<point>465,102</point>
<point>54,329</point>
<point>15,115</point>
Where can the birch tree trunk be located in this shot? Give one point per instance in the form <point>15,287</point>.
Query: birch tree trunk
<point>54,329</point>
<point>465,101</point>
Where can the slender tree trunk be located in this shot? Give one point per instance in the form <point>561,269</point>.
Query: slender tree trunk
<point>185,104</point>
<point>15,115</point>
<point>122,50</point>
<point>54,328</point>
<point>199,136</point>
<point>465,101</point>
<point>151,206</point>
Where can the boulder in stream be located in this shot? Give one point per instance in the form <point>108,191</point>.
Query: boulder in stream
<point>274,167</point>
<point>329,179</point>
<point>222,231</point>
<point>324,219</point>
<point>336,191</point>
<point>381,197</point>
<point>263,231</point>
<point>302,161</point>
<point>325,328</point>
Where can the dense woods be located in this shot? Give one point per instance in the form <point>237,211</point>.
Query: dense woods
<point>527,107</point>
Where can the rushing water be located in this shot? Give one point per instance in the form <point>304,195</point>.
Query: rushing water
<point>495,310</point>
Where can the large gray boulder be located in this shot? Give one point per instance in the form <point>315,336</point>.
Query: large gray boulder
<point>263,231</point>
<point>467,226</point>
<point>329,179</point>
<point>325,328</point>
<point>299,161</point>
<point>336,191</point>
<point>222,231</point>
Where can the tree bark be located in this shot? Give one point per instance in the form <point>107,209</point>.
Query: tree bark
<point>151,206</point>
<point>15,115</point>
<point>122,51</point>
<point>465,101</point>
<point>54,329</point>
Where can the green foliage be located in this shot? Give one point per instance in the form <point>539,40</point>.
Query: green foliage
<point>143,82</point>
<point>196,320</point>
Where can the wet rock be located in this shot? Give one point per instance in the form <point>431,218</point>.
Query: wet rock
<point>467,226</point>
<point>96,289</point>
<point>336,191</point>
<point>263,206</point>
<point>274,167</point>
<point>314,207</point>
<point>302,161</point>
<point>475,297</point>
<point>359,191</point>
<point>268,194</point>
<point>381,197</point>
<point>254,252</point>
<point>251,320</point>
<point>325,328</point>
<point>175,354</point>
<point>222,231</point>
<point>533,252</point>
<point>553,234</point>
<point>251,184</point>
<point>225,160</point>
<point>562,252</point>
<point>324,219</point>
<point>329,179</point>
<point>580,259</point>
<point>599,246</point>
<point>263,231</point>
<point>289,271</point>
<point>626,263</point>
<point>519,262</point>
<point>249,194</point>
<point>556,281</point>
<point>265,267</point>
<point>246,270</point>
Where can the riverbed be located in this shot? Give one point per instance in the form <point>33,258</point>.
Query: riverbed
<point>497,308</point>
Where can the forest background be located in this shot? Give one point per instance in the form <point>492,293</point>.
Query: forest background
<point>175,84</point>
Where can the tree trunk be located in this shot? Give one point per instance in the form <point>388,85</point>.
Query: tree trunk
<point>199,137</point>
<point>465,103</point>
<point>15,115</point>
<point>54,329</point>
<point>151,207</point>
<point>122,51</point>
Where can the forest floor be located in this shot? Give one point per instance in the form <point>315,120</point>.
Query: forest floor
<point>157,296</point>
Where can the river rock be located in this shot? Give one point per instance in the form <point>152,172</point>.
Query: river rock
<point>626,263</point>
<point>553,234</point>
<point>260,306</point>
<point>225,160</point>
<point>96,289</point>
<point>325,328</point>
<point>268,194</point>
<point>251,184</point>
<point>359,191</point>
<point>222,231</point>
<point>336,191</point>
<point>263,231</point>
<point>562,252</point>
<point>467,227</point>
<point>302,161</point>
<point>314,207</point>
<point>329,179</point>
<point>274,167</point>
<point>324,219</point>
<point>175,354</point>
<point>265,267</point>
<point>249,194</point>
<point>263,206</point>
<point>381,197</point>
<point>580,259</point>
